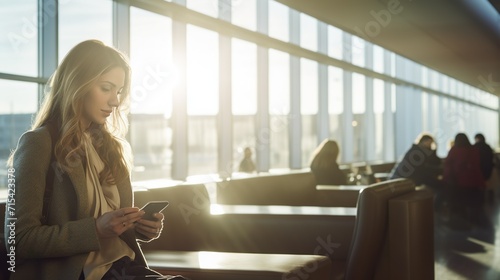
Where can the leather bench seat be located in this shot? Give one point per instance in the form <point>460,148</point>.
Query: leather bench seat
<point>207,265</point>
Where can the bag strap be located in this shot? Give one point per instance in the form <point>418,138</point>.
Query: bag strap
<point>49,179</point>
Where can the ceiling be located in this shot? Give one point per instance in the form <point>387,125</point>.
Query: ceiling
<point>460,38</point>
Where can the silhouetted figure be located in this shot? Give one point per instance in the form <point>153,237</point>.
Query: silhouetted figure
<point>485,155</point>
<point>423,166</point>
<point>247,165</point>
<point>324,164</point>
<point>420,163</point>
<point>462,173</point>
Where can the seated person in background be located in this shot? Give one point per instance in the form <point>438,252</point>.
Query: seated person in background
<point>246,164</point>
<point>422,165</point>
<point>324,164</point>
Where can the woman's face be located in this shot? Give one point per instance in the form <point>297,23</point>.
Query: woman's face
<point>103,97</point>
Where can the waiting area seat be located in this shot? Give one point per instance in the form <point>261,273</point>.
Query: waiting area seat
<point>390,236</point>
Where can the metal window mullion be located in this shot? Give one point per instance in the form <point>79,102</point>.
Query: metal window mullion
<point>388,138</point>
<point>369,115</point>
<point>179,120</point>
<point>295,116</point>
<point>323,119</point>
<point>224,116</point>
<point>347,116</point>
<point>263,130</point>
<point>48,14</point>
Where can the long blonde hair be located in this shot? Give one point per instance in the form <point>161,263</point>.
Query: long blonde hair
<point>63,105</point>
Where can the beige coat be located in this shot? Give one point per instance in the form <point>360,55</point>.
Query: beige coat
<point>57,250</point>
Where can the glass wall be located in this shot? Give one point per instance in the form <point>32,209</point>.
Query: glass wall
<point>153,78</point>
<point>360,113</point>
<point>244,97</point>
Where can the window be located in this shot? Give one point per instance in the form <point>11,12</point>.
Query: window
<point>308,32</point>
<point>207,7</point>
<point>378,110</point>
<point>358,110</point>
<point>18,46</point>
<point>244,96</point>
<point>279,107</point>
<point>279,21</point>
<point>335,103</point>
<point>378,59</point>
<point>19,103</point>
<point>153,76</point>
<point>202,83</point>
<point>358,51</point>
<point>308,107</point>
<point>81,20</point>
<point>335,42</point>
<point>244,13</point>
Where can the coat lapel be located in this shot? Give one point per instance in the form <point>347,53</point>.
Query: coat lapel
<point>77,176</point>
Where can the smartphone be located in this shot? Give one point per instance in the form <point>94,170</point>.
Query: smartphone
<point>153,207</point>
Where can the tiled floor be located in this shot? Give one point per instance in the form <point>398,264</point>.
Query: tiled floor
<point>472,253</point>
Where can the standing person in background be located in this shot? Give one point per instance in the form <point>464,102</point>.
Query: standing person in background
<point>324,164</point>
<point>486,158</point>
<point>462,173</point>
<point>423,166</point>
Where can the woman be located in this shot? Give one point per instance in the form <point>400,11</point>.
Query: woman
<point>324,164</point>
<point>91,228</point>
<point>462,173</point>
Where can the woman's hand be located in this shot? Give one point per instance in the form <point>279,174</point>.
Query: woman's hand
<point>116,222</point>
<point>150,229</point>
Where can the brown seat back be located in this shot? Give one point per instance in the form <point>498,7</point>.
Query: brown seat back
<point>186,221</point>
<point>411,235</point>
<point>295,189</point>
<point>371,226</point>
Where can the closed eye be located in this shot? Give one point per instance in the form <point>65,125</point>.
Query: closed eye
<point>106,89</point>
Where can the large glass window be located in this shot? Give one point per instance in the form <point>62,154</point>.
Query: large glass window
<point>153,76</point>
<point>358,110</point>
<point>335,103</point>
<point>244,96</point>
<point>19,103</point>
<point>378,110</point>
<point>19,40</point>
<point>244,13</point>
<point>308,107</point>
<point>279,21</point>
<point>308,32</point>
<point>358,51</point>
<point>335,42</point>
<point>202,99</point>
<point>378,59</point>
<point>279,107</point>
<point>81,20</point>
<point>207,7</point>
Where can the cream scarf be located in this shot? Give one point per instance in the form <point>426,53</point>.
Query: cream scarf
<point>102,199</point>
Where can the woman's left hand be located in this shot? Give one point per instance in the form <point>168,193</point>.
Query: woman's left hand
<point>150,229</point>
